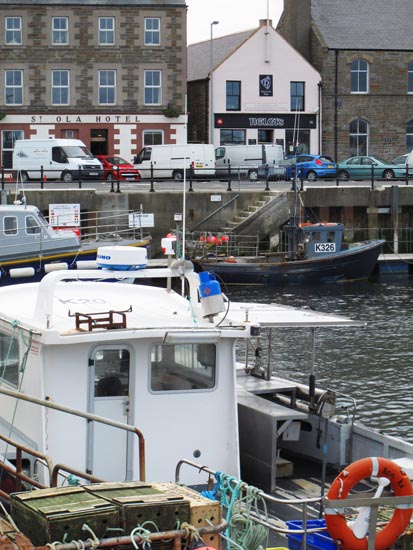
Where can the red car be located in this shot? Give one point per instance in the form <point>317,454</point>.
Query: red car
<point>115,168</point>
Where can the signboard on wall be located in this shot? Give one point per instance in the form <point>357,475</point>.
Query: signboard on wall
<point>266,85</point>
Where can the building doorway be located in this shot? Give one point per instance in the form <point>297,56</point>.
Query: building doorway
<point>99,142</point>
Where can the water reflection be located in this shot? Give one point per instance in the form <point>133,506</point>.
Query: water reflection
<point>373,363</point>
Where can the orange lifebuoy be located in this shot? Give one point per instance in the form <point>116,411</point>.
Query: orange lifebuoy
<point>346,480</point>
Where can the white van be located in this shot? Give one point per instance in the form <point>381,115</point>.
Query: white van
<point>246,159</point>
<point>61,159</point>
<point>169,161</point>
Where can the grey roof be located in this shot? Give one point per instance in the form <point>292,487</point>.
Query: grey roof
<point>365,24</point>
<point>199,59</point>
<point>110,3</point>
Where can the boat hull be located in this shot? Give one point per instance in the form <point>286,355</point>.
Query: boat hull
<point>348,265</point>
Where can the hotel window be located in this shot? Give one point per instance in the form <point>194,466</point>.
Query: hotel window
<point>9,359</point>
<point>13,87</point>
<point>8,139</point>
<point>152,80</point>
<point>107,87</point>
<point>359,137</point>
<point>60,87</point>
<point>152,137</point>
<point>359,75</point>
<point>297,96</point>
<point>13,30</point>
<point>106,31</point>
<point>233,90</point>
<point>409,136</point>
<point>152,31</point>
<point>60,31</point>
<point>410,77</point>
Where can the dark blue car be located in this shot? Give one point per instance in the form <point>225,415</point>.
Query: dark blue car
<point>309,167</point>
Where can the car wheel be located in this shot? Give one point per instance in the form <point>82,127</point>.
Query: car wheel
<point>311,176</point>
<point>178,175</point>
<point>253,175</point>
<point>388,174</point>
<point>343,175</point>
<point>67,177</point>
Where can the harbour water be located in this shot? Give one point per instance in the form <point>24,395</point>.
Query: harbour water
<point>373,364</point>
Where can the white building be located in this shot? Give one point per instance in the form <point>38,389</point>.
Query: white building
<point>263,91</point>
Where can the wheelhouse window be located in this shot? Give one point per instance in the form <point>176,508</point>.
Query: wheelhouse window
<point>8,139</point>
<point>359,137</point>
<point>60,31</point>
<point>13,31</point>
<point>106,31</point>
<point>9,359</point>
<point>32,227</point>
<point>233,91</point>
<point>359,77</point>
<point>183,367</point>
<point>409,136</point>
<point>60,87</point>
<point>10,225</point>
<point>107,87</point>
<point>297,99</point>
<point>153,83</point>
<point>152,31</point>
<point>410,77</point>
<point>152,137</point>
<point>235,137</point>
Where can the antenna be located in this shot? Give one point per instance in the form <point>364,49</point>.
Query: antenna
<point>184,180</point>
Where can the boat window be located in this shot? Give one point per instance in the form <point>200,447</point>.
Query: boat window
<point>31,225</point>
<point>331,237</point>
<point>316,236</point>
<point>111,372</point>
<point>183,367</point>
<point>10,225</point>
<point>9,359</point>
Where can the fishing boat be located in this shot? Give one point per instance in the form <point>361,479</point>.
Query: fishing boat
<point>118,399</point>
<point>30,246</point>
<point>316,253</point>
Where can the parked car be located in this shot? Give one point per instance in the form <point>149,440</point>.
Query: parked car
<point>360,168</point>
<point>309,167</point>
<point>400,160</point>
<point>115,167</point>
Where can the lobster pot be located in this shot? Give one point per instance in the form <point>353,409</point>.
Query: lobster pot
<point>203,511</point>
<point>58,514</point>
<point>139,502</point>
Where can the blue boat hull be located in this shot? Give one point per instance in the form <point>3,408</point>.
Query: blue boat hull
<point>347,265</point>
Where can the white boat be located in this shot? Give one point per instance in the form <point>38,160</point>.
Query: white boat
<point>30,246</point>
<point>126,381</point>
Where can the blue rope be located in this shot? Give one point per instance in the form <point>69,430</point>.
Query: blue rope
<point>213,494</point>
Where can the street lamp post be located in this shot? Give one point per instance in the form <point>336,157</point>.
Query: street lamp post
<point>211,86</point>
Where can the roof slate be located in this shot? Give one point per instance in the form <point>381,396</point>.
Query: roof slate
<point>199,55</point>
<point>365,24</point>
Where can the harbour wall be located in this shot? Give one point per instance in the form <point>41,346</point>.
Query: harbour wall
<point>384,208</point>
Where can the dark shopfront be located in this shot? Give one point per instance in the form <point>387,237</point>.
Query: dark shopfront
<point>283,129</point>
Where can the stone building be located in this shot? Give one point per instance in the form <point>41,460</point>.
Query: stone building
<point>263,91</point>
<point>109,72</point>
<point>363,50</point>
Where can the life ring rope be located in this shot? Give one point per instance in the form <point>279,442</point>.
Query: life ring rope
<point>377,467</point>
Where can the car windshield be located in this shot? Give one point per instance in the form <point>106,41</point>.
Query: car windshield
<point>326,159</point>
<point>74,152</point>
<point>117,160</point>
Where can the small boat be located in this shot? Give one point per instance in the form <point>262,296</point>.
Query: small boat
<point>118,399</point>
<point>31,247</point>
<point>315,254</point>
